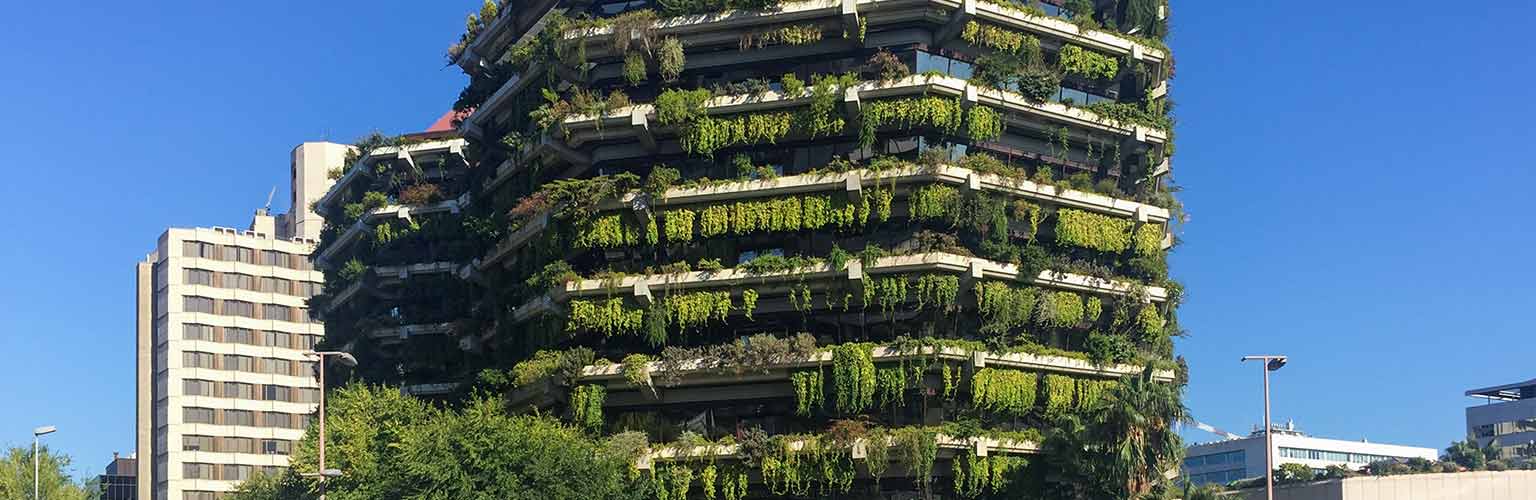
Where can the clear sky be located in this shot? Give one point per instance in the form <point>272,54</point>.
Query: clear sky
<point>1358,176</point>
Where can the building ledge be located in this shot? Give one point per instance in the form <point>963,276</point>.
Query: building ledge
<point>407,153</point>
<point>389,275</point>
<point>980,446</point>
<point>819,182</point>
<point>402,212</point>
<point>634,121</point>
<point>700,372</point>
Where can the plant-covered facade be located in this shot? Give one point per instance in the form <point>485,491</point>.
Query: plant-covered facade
<point>856,248</point>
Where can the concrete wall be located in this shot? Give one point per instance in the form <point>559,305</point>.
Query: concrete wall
<point>1508,485</point>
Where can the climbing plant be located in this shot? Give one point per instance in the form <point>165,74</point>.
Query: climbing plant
<point>890,386</point>
<point>608,231</point>
<point>610,317</point>
<point>998,38</point>
<point>809,391</point>
<point>637,370</point>
<point>1073,60</point>
<point>1060,309</point>
<point>918,448</point>
<point>679,225</point>
<point>975,476</point>
<point>942,113</point>
<point>694,310</point>
<point>708,134</point>
<point>1005,391</point>
<point>933,202</point>
<point>1003,307</point>
<point>748,302</point>
<point>983,123</point>
<point>1093,231</point>
<point>853,377</point>
<point>1059,390</point>
<point>939,291</point>
<point>587,406</point>
<point>670,59</point>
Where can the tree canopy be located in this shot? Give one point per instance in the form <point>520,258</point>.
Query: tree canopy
<point>53,482</point>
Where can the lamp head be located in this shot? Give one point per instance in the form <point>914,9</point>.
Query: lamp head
<point>1276,363</point>
<point>44,430</point>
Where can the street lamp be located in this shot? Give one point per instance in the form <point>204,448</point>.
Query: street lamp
<point>1271,363</point>
<point>346,359</point>
<point>37,433</point>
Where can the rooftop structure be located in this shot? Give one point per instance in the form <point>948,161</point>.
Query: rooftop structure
<point>1506,418</point>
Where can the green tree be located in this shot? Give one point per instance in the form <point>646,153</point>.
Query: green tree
<point>283,486</point>
<point>480,452</point>
<point>1294,473</point>
<point>53,482</point>
<point>1119,448</point>
<point>364,428</point>
<point>1468,454</point>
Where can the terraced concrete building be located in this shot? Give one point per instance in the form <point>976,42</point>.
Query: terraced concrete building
<point>872,248</point>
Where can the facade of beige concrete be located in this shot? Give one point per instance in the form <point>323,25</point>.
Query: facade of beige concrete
<point>225,383</point>
<point>1506,485</point>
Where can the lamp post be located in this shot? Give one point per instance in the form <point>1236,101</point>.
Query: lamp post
<point>1271,363</point>
<point>346,359</point>
<point>37,433</point>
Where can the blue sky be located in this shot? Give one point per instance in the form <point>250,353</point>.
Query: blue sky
<point>1356,175</point>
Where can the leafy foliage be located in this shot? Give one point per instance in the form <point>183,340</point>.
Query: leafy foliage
<point>853,377</point>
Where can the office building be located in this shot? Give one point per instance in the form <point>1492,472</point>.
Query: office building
<point>1230,460</point>
<point>733,217</point>
<point>225,387</point>
<point>1506,419</point>
<point>120,480</point>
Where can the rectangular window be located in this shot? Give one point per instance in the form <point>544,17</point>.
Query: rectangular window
<point>197,443</point>
<point>274,258</point>
<point>277,420</point>
<point>238,445</point>
<point>238,254</point>
<point>302,316</point>
<point>239,391</point>
<point>191,331</point>
<point>276,447</point>
<point>308,341</point>
<point>197,471</point>
<point>234,335</point>
<point>236,362</point>
<point>239,417</point>
<point>239,281</point>
<point>277,312</point>
<point>233,472</point>
<point>307,369</point>
<point>190,387</point>
<point>277,285</point>
<point>274,393</point>
<point>198,249</point>
<point>197,277</point>
<point>191,359</point>
<point>279,367</point>
<point>308,396</point>
<point>239,308</point>
<point>276,339</point>
<point>197,415</point>
<point>197,304</point>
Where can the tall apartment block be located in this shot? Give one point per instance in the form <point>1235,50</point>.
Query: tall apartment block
<point>1506,419</point>
<point>830,248</point>
<point>224,384</point>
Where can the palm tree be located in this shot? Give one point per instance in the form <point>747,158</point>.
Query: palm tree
<point>1137,421</point>
<point>1118,448</point>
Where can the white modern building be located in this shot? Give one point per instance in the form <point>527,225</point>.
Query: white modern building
<point>225,386</point>
<point>1508,416</point>
<point>1230,460</point>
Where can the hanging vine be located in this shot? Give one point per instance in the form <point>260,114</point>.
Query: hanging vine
<point>587,406</point>
<point>1059,390</point>
<point>853,377</point>
<point>1005,391</point>
<point>938,290</point>
<point>1003,307</point>
<point>748,302</point>
<point>679,225</point>
<point>610,317</point>
<point>1060,309</point>
<point>809,391</point>
<point>890,386</point>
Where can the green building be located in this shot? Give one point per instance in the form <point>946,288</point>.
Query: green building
<point>851,249</point>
